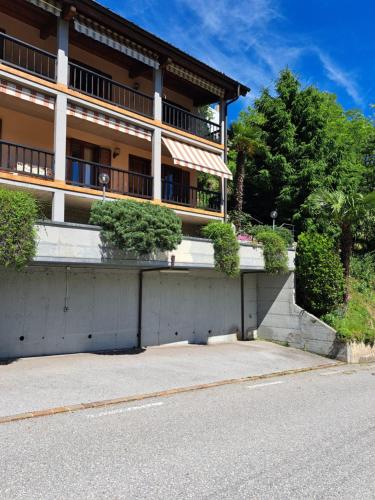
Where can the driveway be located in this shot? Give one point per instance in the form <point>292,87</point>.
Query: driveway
<point>31,384</point>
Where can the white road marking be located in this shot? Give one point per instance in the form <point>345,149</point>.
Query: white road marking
<point>264,385</point>
<point>123,410</point>
<point>327,374</point>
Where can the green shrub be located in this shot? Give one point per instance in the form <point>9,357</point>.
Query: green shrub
<point>284,233</point>
<point>319,274</point>
<point>275,251</point>
<point>241,220</point>
<point>362,268</point>
<point>18,215</point>
<point>139,228</point>
<point>226,247</point>
<point>356,321</point>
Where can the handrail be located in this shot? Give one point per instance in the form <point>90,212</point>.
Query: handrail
<point>26,160</point>
<point>191,196</point>
<point>28,45</point>
<point>109,80</point>
<point>9,143</point>
<point>86,173</point>
<point>20,54</point>
<point>185,120</point>
<point>105,88</point>
<point>110,167</point>
<point>193,115</point>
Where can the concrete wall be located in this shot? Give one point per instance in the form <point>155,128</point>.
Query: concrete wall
<point>281,320</point>
<point>78,244</point>
<point>55,310</point>
<point>49,310</point>
<point>194,307</point>
<point>90,302</point>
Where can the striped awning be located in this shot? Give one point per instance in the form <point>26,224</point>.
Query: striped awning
<point>108,121</point>
<point>48,5</point>
<point>26,94</point>
<point>114,40</point>
<point>195,79</point>
<point>194,158</point>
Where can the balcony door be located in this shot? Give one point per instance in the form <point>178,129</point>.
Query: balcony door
<point>139,176</point>
<point>86,161</point>
<point>175,184</point>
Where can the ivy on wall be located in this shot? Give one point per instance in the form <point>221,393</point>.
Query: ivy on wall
<point>226,247</point>
<point>18,215</point>
<point>275,251</point>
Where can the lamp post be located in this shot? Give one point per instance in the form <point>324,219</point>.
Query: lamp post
<point>104,181</point>
<point>273,216</point>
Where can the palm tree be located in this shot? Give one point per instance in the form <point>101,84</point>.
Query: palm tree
<point>344,209</point>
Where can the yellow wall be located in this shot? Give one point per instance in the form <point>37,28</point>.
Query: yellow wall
<point>26,33</point>
<point>26,129</point>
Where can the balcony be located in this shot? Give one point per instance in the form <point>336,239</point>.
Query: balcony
<point>86,174</point>
<point>18,54</point>
<point>179,118</point>
<point>25,160</point>
<point>95,85</point>
<point>190,196</point>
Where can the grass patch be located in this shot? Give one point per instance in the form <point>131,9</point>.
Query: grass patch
<point>357,321</point>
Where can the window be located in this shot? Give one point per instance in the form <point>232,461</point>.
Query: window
<point>86,162</point>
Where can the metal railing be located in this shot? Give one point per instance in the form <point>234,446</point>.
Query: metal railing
<point>26,160</point>
<point>194,124</point>
<point>19,54</point>
<point>181,194</point>
<point>96,85</point>
<point>86,173</point>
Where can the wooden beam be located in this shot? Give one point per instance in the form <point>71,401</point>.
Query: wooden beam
<point>68,12</point>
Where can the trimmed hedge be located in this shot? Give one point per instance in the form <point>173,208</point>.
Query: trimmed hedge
<point>18,215</point>
<point>226,247</point>
<point>319,274</point>
<point>135,227</point>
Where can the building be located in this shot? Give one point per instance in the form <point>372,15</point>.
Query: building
<point>84,92</point>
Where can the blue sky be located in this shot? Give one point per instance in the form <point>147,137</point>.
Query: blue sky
<point>329,43</point>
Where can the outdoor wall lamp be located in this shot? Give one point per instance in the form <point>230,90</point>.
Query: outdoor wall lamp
<point>116,152</point>
<point>104,181</point>
<point>273,216</point>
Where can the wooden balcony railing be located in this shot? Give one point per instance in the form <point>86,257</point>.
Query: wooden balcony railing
<point>101,87</point>
<point>18,54</point>
<point>194,124</point>
<point>86,173</point>
<point>190,196</point>
<point>25,160</point>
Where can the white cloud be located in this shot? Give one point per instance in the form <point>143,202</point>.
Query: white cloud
<point>340,77</point>
<point>240,38</point>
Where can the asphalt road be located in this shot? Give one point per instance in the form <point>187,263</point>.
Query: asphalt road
<point>309,435</point>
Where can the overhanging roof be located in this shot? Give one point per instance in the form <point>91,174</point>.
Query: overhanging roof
<point>165,50</point>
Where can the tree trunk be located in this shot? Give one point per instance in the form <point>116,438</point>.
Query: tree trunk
<point>346,253</point>
<point>240,179</point>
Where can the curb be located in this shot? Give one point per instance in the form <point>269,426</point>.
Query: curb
<point>169,392</point>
